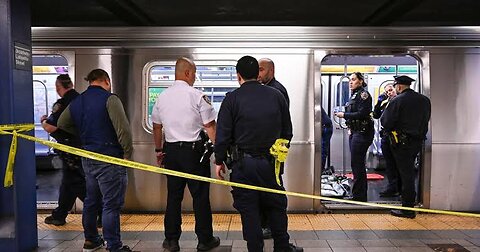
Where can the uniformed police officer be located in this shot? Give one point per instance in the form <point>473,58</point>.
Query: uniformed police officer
<point>73,178</point>
<point>266,76</point>
<point>394,183</point>
<point>98,118</point>
<point>183,112</point>
<point>406,121</point>
<point>360,125</point>
<point>250,120</point>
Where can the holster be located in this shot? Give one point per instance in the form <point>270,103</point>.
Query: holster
<point>398,139</point>
<point>359,125</point>
<point>206,149</point>
<point>235,153</point>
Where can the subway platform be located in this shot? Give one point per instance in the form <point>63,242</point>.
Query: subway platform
<point>314,232</point>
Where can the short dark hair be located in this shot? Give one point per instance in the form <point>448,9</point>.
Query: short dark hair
<point>65,80</point>
<point>247,67</point>
<point>97,74</point>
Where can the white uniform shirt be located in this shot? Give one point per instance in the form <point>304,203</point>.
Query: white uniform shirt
<point>182,110</point>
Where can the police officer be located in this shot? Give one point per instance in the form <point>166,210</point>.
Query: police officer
<point>73,178</point>
<point>98,118</point>
<point>266,76</point>
<point>360,125</point>
<point>394,182</point>
<point>182,152</point>
<point>250,120</point>
<point>406,121</point>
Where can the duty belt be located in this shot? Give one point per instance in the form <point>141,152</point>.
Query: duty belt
<point>359,125</point>
<point>183,144</point>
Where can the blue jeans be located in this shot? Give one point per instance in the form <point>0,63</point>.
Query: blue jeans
<point>106,185</point>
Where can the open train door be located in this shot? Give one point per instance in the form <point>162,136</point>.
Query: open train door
<point>332,74</point>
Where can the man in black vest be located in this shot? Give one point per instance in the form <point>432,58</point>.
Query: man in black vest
<point>405,120</point>
<point>98,118</point>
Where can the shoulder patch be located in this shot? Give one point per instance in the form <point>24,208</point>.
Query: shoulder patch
<point>56,107</point>
<point>206,99</point>
<point>364,95</point>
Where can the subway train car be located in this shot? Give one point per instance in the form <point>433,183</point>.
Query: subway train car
<point>313,63</point>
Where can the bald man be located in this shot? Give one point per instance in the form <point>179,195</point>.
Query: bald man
<point>183,112</point>
<point>266,76</point>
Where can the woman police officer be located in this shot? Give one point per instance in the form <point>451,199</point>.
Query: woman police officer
<point>360,125</point>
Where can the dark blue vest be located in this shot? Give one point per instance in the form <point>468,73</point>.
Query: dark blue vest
<point>90,115</point>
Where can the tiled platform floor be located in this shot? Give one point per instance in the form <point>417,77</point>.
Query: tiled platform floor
<point>314,232</point>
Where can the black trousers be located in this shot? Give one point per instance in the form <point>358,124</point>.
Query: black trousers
<point>393,176</point>
<point>72,187</point>
<point>359,143</point>
<point>185,159</point>
<point>260,171</point>
<point>405,162</point>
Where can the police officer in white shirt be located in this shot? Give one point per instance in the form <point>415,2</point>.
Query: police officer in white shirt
<point>183,112</point>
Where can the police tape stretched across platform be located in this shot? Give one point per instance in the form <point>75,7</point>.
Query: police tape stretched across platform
<point>13,130</point>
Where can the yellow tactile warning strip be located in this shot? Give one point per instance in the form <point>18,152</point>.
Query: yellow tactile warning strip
<point>300,222</point>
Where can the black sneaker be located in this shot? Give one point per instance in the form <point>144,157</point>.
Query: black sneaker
<point>52,221</point>
<point>90,246</point>
<point>403,214</point>
<point>213,243</point>
<point>291,248</point>
<point>171,245</point>
<point>125,249</point>
<point>294,248</point>
<point>267,233</point>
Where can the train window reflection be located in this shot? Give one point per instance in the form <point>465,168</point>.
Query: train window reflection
<point>213,78</point>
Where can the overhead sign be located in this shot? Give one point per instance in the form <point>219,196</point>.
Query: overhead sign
<point>23,57</point>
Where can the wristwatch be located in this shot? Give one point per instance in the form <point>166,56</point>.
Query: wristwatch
<point>158,150</point>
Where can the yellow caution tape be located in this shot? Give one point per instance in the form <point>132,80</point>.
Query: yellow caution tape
<point>15,128</point>
<point>279,151</point>
<point>155,169</point>
<point>395,136</point>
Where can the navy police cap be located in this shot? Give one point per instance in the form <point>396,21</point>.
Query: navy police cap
<point>403,79</point>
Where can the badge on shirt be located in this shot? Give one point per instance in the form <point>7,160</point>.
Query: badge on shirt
<point>207,100</point>
<point>56,107</point>
<point>364,95</point>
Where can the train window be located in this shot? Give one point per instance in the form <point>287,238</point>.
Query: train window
<point>46,68</point>
<point>213,78</point>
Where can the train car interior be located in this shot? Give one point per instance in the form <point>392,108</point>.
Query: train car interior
<point>378,71</point>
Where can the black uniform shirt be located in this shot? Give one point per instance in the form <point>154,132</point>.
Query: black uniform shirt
<point>359,106</point>
<point>60,105</point>
<point>409,112</point>
<point>251,117</point>
<point>277,85</point>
